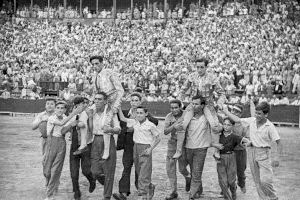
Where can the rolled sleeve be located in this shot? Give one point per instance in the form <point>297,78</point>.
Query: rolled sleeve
<point>116,122</point>
<point>273,133</point>
<point>130,123</point>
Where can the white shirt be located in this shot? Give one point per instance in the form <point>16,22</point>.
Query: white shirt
<point>55,129</point>
<point>262,136</point>
<point>198,134</point>
<point>100,119</point>
<point>144,133</point>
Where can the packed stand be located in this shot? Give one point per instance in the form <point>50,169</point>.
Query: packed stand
<point>259,56</point>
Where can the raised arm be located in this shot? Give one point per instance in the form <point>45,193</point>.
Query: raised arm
<point>233,117</point>
<point>77,111</point>
<point>252,108</point>
<point>37,121</point>
<point>122,117</point>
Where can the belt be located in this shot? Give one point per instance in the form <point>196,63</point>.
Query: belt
<point>98,135</point>
<point>251,145</point>
<point>228,152</point>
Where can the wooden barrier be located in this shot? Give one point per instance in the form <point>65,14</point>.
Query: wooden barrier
<point>281,114</point>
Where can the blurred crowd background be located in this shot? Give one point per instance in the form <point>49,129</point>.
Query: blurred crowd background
<point>253,48</point>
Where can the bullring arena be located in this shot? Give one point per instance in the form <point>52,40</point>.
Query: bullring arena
<point>21,174</point>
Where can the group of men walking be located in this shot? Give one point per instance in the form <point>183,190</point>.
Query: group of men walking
<point>138,136</point>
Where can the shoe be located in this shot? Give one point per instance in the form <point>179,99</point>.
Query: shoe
<point>77,195</point>
<point>92,186</point>
<point>173,195</point>
<point>119,196</point>
<point>101,179</point>
<point>188,183</point>
<point>151,190</point>
<point>243,189</point>
<point>80,151</point>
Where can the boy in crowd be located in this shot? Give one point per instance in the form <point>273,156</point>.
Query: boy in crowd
<point>146,138</point>
<point>226,168</point>
<point>41,120</point>
<point>56,146</point>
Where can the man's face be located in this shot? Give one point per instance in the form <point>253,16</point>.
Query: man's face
<point>50,106</point>
<point>259,115</point>
<point>197,105</point>
<point>175,109</point>
<point>201,68</point>
<point>97,65</point>
<point>99,101</point>
<point>60,109</point>
<point>140,114</point>
<point>135,102</point>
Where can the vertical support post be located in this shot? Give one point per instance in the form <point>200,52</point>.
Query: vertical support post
<point>80,8</point>
<point>65,4</point>
<point>15,6</point>
<point>115,8</point>
<point>131,8</point>
<point>165,10</point>
<point>31,8</point>
<point>97,6</point>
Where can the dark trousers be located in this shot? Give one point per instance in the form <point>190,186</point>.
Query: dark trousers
<point>127,160</point>
<point>85,160</point>
<point>196,159</point>
<point>106,167</point>
<point>241,165</point>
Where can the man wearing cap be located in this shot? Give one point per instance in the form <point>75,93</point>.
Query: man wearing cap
<point>125,141</point>
<point>84,158</point>
<point>240,129</point>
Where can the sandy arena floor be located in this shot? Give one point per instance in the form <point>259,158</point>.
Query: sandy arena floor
<point>21,169</point>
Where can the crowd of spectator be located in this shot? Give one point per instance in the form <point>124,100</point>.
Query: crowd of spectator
<point>259,55</point>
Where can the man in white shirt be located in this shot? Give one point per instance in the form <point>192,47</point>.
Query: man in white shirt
<point>103,169</point>
<point>262,133</point>
<point>198,140</point>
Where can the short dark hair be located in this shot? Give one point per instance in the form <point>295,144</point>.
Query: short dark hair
<point>264,107</point>
<point>202,100</point>
<point>61,102</point>
<point>103,94</point>
<point>49,98</point>
<point>135,94</point>
<point>228,119</point>
<point>178,102</point>
<point>77,100</point>
<point>142,107</point>
<point>204,60</point>
<point>100,58</point>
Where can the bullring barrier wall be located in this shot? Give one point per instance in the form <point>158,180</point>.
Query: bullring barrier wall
<point>280,114</point>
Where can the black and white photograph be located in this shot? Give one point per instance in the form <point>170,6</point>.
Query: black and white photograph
<point>149,99</point>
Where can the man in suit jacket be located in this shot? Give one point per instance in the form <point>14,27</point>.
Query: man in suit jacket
<point>125,142</point>
<point>278,87</point>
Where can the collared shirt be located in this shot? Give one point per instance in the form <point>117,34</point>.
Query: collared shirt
<point>198,134</point>
<point>52,129</point>
<point>262,136</point>
<point>100,119</point>
<point>145,132</point>
<point>83,117</point>
<point>169,121</point>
